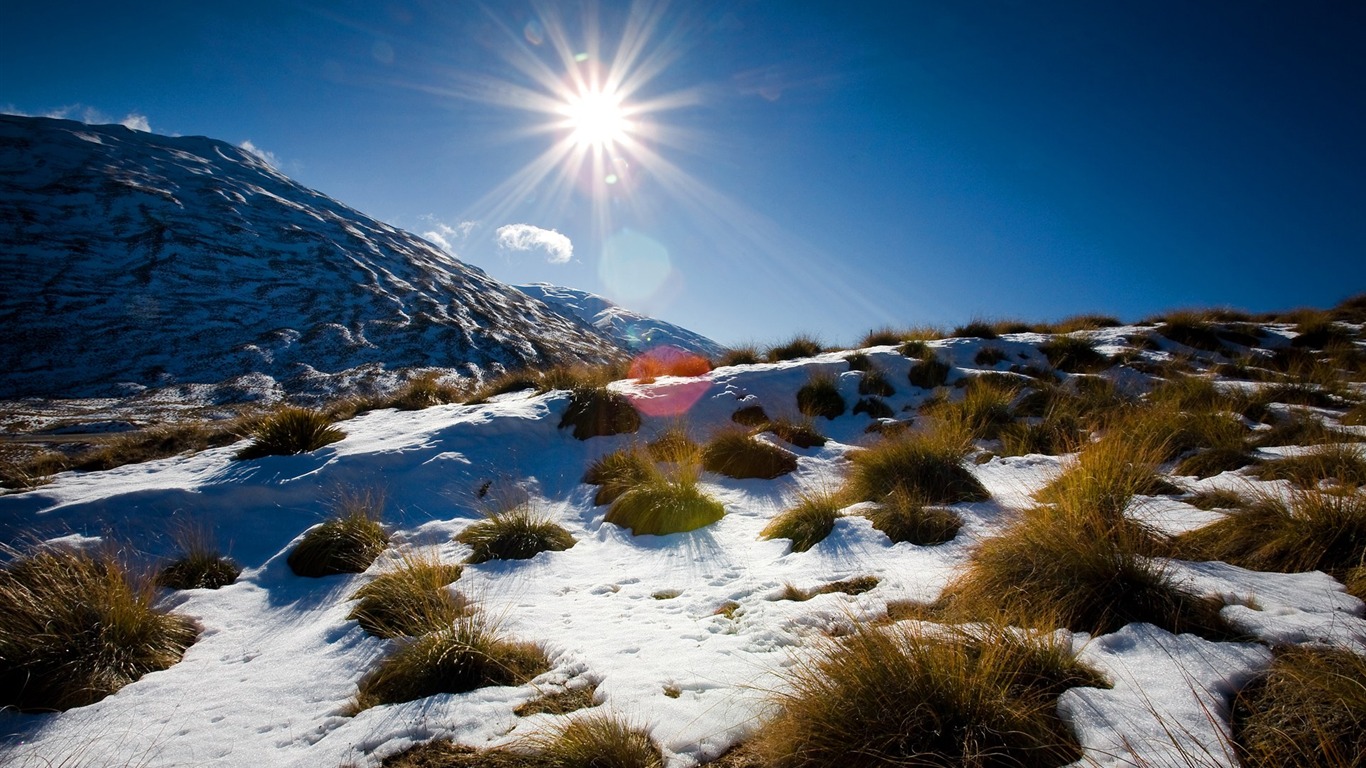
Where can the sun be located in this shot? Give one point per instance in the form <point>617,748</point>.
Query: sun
<point>596,119</point>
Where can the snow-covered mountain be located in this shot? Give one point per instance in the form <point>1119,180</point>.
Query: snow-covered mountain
<point>135,260</point>
<point>630,329</point>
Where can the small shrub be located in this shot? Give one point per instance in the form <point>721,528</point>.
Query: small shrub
<point>874,407</point>
<point>927,466</point>
<point>468,655</point>
<point>746,355</point>
<point>410,598</point>
<point>665,502</point>
<point>200,566</point>
<point>975,329</point>
<point>820,396</point>
<point>75,628</point>
<point>1309,531</point>
<point>802,434</point>
<point>881,697</point>
<point>1335,463</point>
<point>808,522</point>
<point>289,431</point>
<point>798,347</point>
<point>904,517</point>
<point>517,532</point>
<point>1073,354</point>
<point>348,543</point>
<point>734,453</point>
<point>1308,709</point>
<point>598,412</point>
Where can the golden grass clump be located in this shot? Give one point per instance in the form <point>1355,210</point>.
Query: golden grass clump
<point>742,355</point>
<point>426,391</point>
<point>807,522</point>
<point>905,517</point>
<point>598,411</point>
<point>591,741</point>
<point>560,701</point>
<point>1334,463</point>
<point>666,502</point>
<point>1307,710</point>
<point>347,543</point>
<point>619,471</point>
<point>820,396</point>
<point>929,466</point>
<point>928,371</point>
<point>801,433</point>
<point>471,653</point>
<point>903,696</point>
<point>514,532</point>
<point>1304,531</point>
<point>798,347</point>
<point>289,431</point>
<point>735,453</point>
<point>984,410</point>
<point>1073,354</point>
<point>76,627</point>
<point>410,597</point>
<point>199,566</point>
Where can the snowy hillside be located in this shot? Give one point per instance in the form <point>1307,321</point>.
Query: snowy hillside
<point>632,330</point>
<point>692,636</point>
<point>134,260</point>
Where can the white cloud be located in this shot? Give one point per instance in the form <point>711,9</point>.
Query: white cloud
<point>136,122</point>
<point>443,234</point>
<point>524,237</point>
<point>265,156</point>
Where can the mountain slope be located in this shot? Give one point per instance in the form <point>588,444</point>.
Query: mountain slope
<point>140,260</point>
<point>632,330</point>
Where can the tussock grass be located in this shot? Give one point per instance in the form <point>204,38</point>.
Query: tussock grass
<point>1298,428</point>
<point>1332,463</point>
<point>1304,531</point>
<point>874,382</point>
<point>598,412</point>
<point>1077,561</point>
<point>903,696</point>
<point>928,371</point>
<point>820,396</point>
<point>1081,323</point>
<point>984,410</point>
<point>76,627</point>
<point>161,441</point>
<point>426,391</point>
<point>560,702</point>
<point>802,434</point>
<point>855,586</point>
<point>347,543</point>
<point>749,416</point>
<point>673,444</point>
<point>33,470</point>
<point>1308,709</point>
<point>858,361</point>
<point>410,597</point>
<point>905,517</point>
<point>617,472</point>
<point>199,566</point>
<point>1355,417</point>
<point>929,466</point>
<point>989,356</point>
<point>1318,331</point>
<point>808,522</point>
<point>502,384</point>
<point>665,499</point>
<point>668,361</point>
<point>874,407</point>
<point>472,653</point>
<point>289,431</point>
<point>1193,330</point>
<point>798,347</point>
<point>592,741</point>
<point>514,532</point>
<point>887,336</point>
<point>1219,498</point>
<point>742,355</point>
<point>735,453</point>
<point>975,329</point>
<point>1073,354</point>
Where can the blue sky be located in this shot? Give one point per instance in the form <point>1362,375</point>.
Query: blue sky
<point>813,167</point>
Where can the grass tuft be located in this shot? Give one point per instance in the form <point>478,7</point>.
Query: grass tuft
<point>472,653</point>
<point>514,532</point>
<point>617,472</point>
<point>984,410</point>
<point>1332,463</point>
<point>808,522</point>
<point>664,504</point>
<point>1308,709</point>
<point>735,453</point>
<point>820,396</point>
<point>929,466</point>
<point>598,412</point>
<point>743,355</point>
<point>1073,354</point>
<point>802,434</point>
<point>409,598</point>
<point>798,347</point>
<point>904,517</point>
<point>426,391</point>
<point>289,431</point>
<point>75,627</point>
<point>347,543</point>
<point>928,372</point>
<point>902,696</point>
<point>200,565</point>
<point>975,329</point>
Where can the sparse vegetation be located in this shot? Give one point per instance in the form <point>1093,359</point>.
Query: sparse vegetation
<point>882,337</point>
<point>984,410</point>
<point>470,654</point>
<point>347,543</point>
<point>560,702</point>
<point>874,407</point>
<point>874,382</point>
<point>410,597</point>
<point>426,391</point>
<point>808,522</point>
<point>901,696</point>
<point>989,356</point>
<point>514,532</point>
<point>742,355</point>
<point>855,586</point>
<point>75,627</point>
<point>598,412</point>
<point>289,431</point>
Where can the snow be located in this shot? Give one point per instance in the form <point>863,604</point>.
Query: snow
<point>270,678</point>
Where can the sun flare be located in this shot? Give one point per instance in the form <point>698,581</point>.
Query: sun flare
<point>596,119</point>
